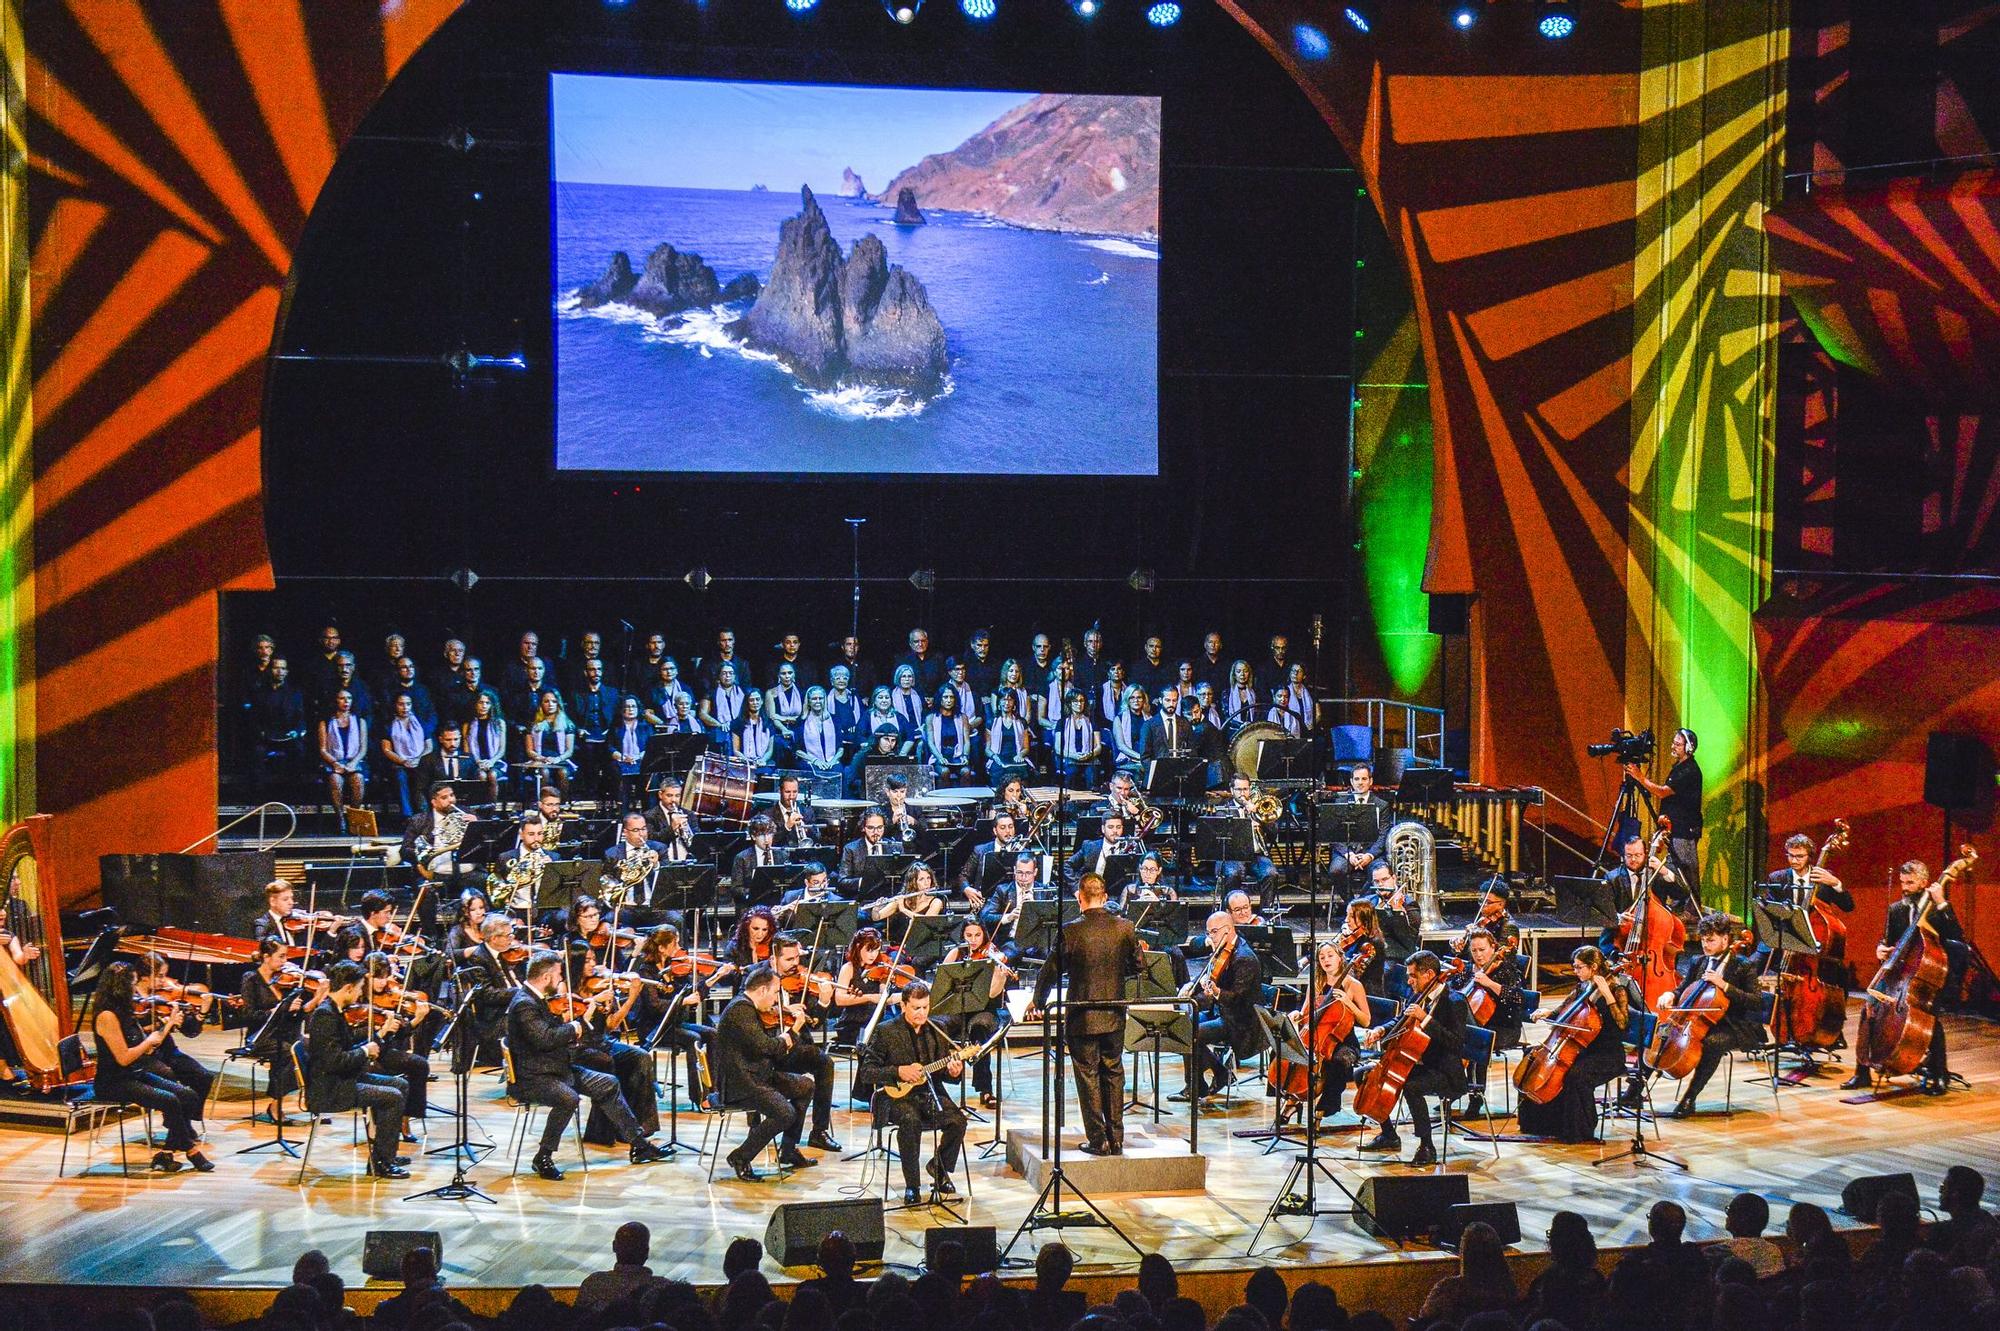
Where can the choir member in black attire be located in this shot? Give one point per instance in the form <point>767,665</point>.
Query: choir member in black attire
<point>1572,1115</point>
<point>1099,950</point>
<point>1441,1072</point>
<point>744,1058</point>
<point>1914,878</point>
<point>546,1072</point>
<point>129,1070</point>
<point>340,1072</point>
<point>901,1056</point>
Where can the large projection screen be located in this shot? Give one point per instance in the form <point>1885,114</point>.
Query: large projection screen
<point>796,280</point>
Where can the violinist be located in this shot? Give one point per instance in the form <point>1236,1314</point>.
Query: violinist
<point>1632,870</point>
<point>153,983</point>
<point>1441,1070</point>
<point>751,944</point>
<point>275,1017</point>
<point>1334,983</point>
<point>276,921</point>
<point>787,961</point>
<point>486,983</point>
<point>901,1054</point>
<point>373,917</point>
<point>588,940</point>
<point>858,986</point>
<point>1231,985</point>
<point>1394,912</point>
<point>1495,919</point>
<point>394,1021</point>
<point>1492,987</point>
<point>761,853</point>
<point>464,940</point>
<point>1913,879</point>
<point>546,1073</point>
<point>975,1027</point>
<point>612,1043</point>
<point>1571,1114</point>
<point>339,1062</point>
<point>1740,1028</point>
<point>129,1069</point>
<point>1362,929</point>
<point>744,1055</point>
<point>661,957</point>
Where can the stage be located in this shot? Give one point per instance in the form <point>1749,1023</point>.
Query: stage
<point>241,1227</point>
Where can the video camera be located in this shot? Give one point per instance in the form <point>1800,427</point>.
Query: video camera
<point>1625,746</point>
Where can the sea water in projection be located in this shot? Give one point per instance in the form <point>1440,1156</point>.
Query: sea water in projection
<point>783,279</point>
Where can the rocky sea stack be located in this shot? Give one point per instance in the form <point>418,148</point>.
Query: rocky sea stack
<point>907,212</point>
<point>670,283</point>
<point>853,320</point>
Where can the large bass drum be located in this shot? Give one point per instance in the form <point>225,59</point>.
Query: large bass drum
<point>1245,744</point>
<point>721,788</point>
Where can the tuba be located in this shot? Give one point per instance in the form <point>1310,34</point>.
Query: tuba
<point>1412,854</point>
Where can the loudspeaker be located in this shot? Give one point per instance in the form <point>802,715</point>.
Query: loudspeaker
<point>793,1236</point>
<point>1861,1196</point>
<point>1408,1206</point>
<point>382,1251</point>
<point>982,1251</point>
<point>216,894</point>
<point>1958,771</point>
<point>1448,613</point>
<point>1506,1221</point>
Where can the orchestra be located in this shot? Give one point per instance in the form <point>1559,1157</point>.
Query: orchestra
<point>573,982</point>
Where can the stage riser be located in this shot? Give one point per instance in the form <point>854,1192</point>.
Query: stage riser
<point>1168,1167</point>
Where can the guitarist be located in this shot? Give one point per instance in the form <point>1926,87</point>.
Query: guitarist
<point>1441,1071</point>
<point>1913,877</point>
<point>912,1055</point>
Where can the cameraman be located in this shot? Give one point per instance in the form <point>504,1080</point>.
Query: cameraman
<point>1680,801</point>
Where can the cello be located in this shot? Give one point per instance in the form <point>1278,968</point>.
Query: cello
<point>1331,1023</point>
<point>1571,1029</point>
<point>1900,1009</point>
<point>1402,1050</point>
<point>1676,1047</point>
<point>1812,987</point>
<point>1650,937</point>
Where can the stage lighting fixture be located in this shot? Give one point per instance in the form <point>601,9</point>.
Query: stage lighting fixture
<point>800,6</point>
<point>698,578</point>
<point>1558,21</point>
<point>903,11</point>
<point>1085,8</point>
<point>1463,17</point>
<point>1357,18</point>
<point>979,10</point>
<point>1141,580</point>
<point>1164,15</point>
<point>924,579</point>
<point>1310,42</point>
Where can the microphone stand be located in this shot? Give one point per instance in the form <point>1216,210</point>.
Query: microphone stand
<point>463,1153</point>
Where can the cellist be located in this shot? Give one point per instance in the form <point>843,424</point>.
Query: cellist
<point>1571,1115</point>
<point>1740,1028</point>
<point>1441,1071</point>
<point>1913,877</point>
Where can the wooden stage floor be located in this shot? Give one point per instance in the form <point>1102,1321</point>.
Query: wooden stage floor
<point>243,1225</point>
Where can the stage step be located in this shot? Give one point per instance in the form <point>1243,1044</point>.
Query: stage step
<point>1150,1164</point>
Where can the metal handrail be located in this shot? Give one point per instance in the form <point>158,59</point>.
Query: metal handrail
<point>257,813</point>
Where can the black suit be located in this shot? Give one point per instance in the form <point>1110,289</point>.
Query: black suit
<point>895,1044</point>
<point>1085,859</point>
<point>1376,848</point>
<point>1945,921</point>
<point>1099,951</point>
<point>744,1059</point>
<point>337,1078</point>
<point>854,855</point>
<point>1441,1071</point>
<point>1155,742</point>
<point>544,1073</point>
<point>1234,1022</point>
<point>1784,885</point>
<point>743,870</point>
<point>1742,1027</point>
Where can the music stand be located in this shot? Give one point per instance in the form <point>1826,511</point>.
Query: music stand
<point>1277,757</point>
<point>1220,838</point>
<point>483,838</point>
<point>1785,929</point>
<point>562,881</point>
<point>669,753</point>
<point>1281,1044</point>
<point>926,939</point>
<point>1035,931</point>
<point>834,923</point>
<point>1169,777</point>
<point>689,885</point>
<point>1275,946</point>
<point>960,988</point>
<point>1348,824</point>
<point>1121,869</point>
<point>1584,903</point>
<point>771,881</point>
<point>1153,1032</point>
<point>878,869</point>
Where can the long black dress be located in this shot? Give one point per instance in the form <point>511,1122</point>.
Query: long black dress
<point>1572,1115</point>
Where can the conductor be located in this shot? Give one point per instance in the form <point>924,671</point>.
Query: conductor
<point>1099,950</point>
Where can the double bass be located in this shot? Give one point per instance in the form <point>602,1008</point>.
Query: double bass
<point>1402,1050</point>
<point>1900,1010</point>
<point>1812,987</point>
<point>1571,1029</point>
<point>1650,937</point>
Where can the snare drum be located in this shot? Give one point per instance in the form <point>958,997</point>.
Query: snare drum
<point>721,788</point>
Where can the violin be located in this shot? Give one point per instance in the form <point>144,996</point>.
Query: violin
<point>290,976</point>
<point>516,953</point>
<point>894,974</point>
<point>157,1013</point>
<point>398,942</point>
<point>699,964</point>
<point>575,1007</point>
<point>602,935</point>
<point>299,921</point>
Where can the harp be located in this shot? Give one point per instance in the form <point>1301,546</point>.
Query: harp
<point>34,995</point>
